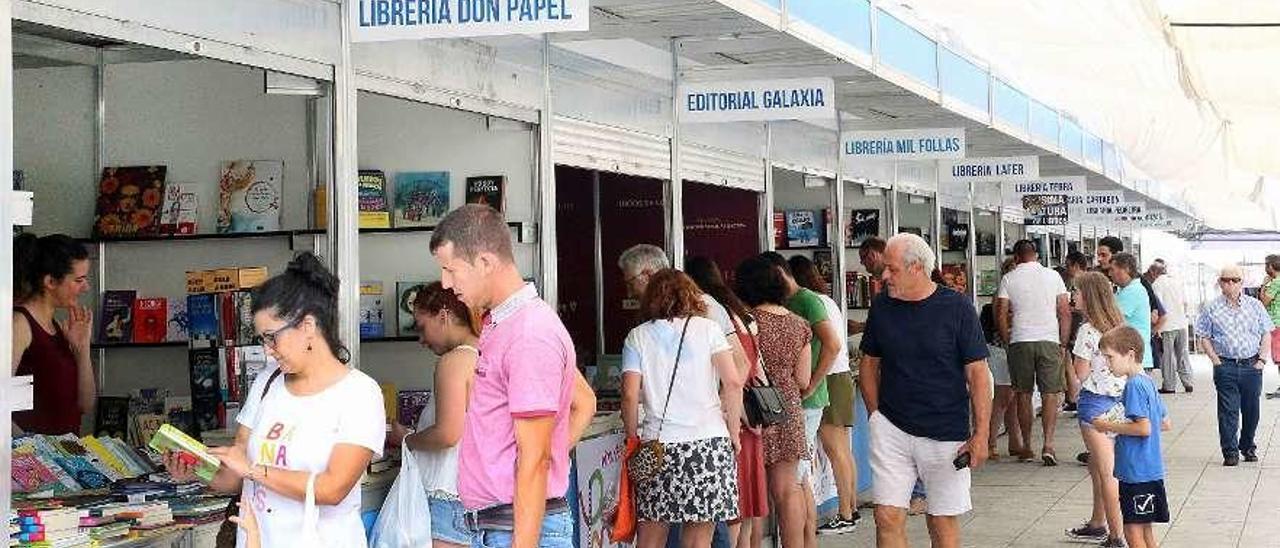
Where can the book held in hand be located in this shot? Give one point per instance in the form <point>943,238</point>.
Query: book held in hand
<point>194,453</point>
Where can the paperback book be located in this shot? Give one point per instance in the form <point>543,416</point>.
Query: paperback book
<point>406,293</point>
<point>422,197</point>
<point>487,190</point>
<point>129,200</point>
<point>111,417</point>
<point>372,324</point>
<point>168,438</point>
<point>202,317</point>
<point>374,210</point>
<point>177,322</point>
<point>802,229</point>
<point>115,324</point>
<point>206,388</point>
<point>149,322</point>
<point>250,196</point>
<point>179,215</point>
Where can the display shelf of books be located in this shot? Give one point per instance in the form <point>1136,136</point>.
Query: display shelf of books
<point>207,236</point>
<point>413,229</point>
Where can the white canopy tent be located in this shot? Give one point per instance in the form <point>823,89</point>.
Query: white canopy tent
<point>1187,89</point>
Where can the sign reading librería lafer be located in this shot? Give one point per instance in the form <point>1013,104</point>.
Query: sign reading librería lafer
<point>989,170</point>
<point>904,144</point>
<point>380,20</point>
<point>758,100</point>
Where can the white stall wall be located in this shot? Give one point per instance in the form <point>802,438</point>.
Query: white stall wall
<point>397,135</point>
<point>54,112</point>
<point>916,216</point>
<point>188,115</point>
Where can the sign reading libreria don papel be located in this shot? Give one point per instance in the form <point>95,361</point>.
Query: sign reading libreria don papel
<point>989,170</point>
<point>758,100</point>
<point>904,144</point>
<point>380,20</point>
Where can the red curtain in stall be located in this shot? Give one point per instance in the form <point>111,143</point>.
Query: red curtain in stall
<point>575,257</point>
<point>631,212</point>
<point>721,223</point>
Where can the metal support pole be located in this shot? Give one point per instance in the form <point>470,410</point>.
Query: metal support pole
<point>99,162</point>
<point>675,192</point>
<point>599,260</point>
<point>1000,235</point>
<point>937,215</point>
<point>895,214</point>
<point>6,250</point>
<point>767,242</point>
<point>972,248</point>
<point>546,195</point>
<point>345,231</point>
<point>839,222</point>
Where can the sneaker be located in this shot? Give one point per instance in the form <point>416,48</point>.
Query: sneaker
<point>837,526</point>
<point>1231,460</point>
<point>1070,407</point>
<point>1082,457</point>
<point>1112,542</point>
<point>856,516</point>
<point>1250,455</point>
<point>1087,532</point>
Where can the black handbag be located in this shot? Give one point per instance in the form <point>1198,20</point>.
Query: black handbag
<point>761,400</point>
<point>646,462</point>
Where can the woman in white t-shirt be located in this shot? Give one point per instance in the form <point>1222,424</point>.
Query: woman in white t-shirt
<point>451,331</point>
<point>678,366</point>
<point>1100,393</point>
<point>313,415</point>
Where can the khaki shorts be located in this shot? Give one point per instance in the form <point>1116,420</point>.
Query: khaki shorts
<point>840,411</point>
<point>1033,364</point>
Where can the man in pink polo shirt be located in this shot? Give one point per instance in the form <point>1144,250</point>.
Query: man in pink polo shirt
<point>528,405</point>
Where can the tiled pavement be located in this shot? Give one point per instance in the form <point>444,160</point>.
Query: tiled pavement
<point>1030,505</point>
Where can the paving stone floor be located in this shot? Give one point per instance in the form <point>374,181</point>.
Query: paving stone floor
<point>1029,505</point>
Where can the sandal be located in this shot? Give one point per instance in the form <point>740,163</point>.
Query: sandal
<point>1049,458</point>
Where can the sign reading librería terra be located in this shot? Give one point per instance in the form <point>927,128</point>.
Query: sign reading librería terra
<point>758,100</point>
<point>380,20</point>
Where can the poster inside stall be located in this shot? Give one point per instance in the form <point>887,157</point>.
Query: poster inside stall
<point>599,466</point>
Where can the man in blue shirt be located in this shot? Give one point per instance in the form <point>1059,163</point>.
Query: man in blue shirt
<point>1234,330</point>
<point>923,368</point>
<point>1132,298</point>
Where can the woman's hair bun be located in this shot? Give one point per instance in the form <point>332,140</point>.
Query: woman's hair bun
<point>306,266</point>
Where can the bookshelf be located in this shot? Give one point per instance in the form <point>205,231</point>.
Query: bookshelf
<point>205,237</point>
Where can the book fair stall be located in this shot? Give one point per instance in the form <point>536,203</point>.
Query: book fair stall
<point>194,153</point>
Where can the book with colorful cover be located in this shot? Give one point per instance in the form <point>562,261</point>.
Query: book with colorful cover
<point>29,475</point>
<point>202,317</point>
<point>105,455</point>
<point>956,276</point>
<point>245,333</point>
<point>111,416</point>
<point>803,229</point>
<point>780,230</point>
<point>372,324</point>
<point>374,209</point>
<point>129,200</point>
<point>149,322</point>
<point>409,405</point>
<point>177,323</point>
<point>422,197</point>
<point>115,324</point>
<point>488,190</point>
<point>168,438</point>
<point>250,196</point>
<point>71,445</point>
<point>146,425</point>
<point>85,473</point>
<point>406,293</point>
<point>179,215</point>
<point>988,282</point>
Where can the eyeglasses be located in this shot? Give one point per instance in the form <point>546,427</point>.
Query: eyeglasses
<point>1229,280</point>
<point>270,338</point>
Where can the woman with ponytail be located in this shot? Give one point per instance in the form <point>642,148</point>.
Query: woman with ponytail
<point>311,416</point>
<point>50,274</point>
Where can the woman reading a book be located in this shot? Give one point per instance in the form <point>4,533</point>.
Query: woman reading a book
<point>313,420</point>
<point>447,327</point>
<point>50,274</point>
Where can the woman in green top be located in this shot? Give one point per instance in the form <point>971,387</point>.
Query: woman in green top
<point>1271,299</point>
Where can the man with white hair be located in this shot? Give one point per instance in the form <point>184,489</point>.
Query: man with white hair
<point>1234,331</point>
<point>923,368</point>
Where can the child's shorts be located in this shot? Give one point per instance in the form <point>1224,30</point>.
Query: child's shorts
<point>1144,502</point>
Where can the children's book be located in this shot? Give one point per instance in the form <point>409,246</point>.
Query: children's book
<point>372,324</point>
<point>487,190</point>
<point>406,293</point>
<point>179,215</point>
<point>149,322</point>
<point>250,196</point>
<point>374,210</point>
<point>422,197</point>
<point>115,324</point>
<point>129,200</point>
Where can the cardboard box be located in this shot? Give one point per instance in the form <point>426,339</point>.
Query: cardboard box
<point>251,277</point>
<point>200,281</point>
<point>225,279</point>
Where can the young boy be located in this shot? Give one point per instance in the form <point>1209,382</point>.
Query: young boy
<point>1139,466</point>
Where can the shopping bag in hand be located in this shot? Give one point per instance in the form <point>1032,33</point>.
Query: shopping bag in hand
<point>405,518</point>
<point>624,520</point>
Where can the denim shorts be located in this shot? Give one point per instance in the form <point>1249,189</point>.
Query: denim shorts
<point>557,532</point>
<point>1091,405</point>
<point>448,523</point>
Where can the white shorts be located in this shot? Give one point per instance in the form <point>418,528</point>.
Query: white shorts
<point>806,470</point>
<point>898,458</point>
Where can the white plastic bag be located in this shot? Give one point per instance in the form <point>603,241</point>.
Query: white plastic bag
<point>405,518</point>
<point>311,516</point>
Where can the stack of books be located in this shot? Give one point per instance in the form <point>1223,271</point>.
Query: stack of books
<point>56,527</point>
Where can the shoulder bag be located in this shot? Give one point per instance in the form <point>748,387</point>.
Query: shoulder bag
<point>761,400</point>
<point>646,462</point>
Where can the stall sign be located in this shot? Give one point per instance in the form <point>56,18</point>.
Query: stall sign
<point>989,170</point>
<point>1045,209</point>
<point>599,467</point>
<point>758,100</point>
<point>383,20</point>
<point>904,144</point>
<point>1075,188</point>
<point>1080,206</point>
